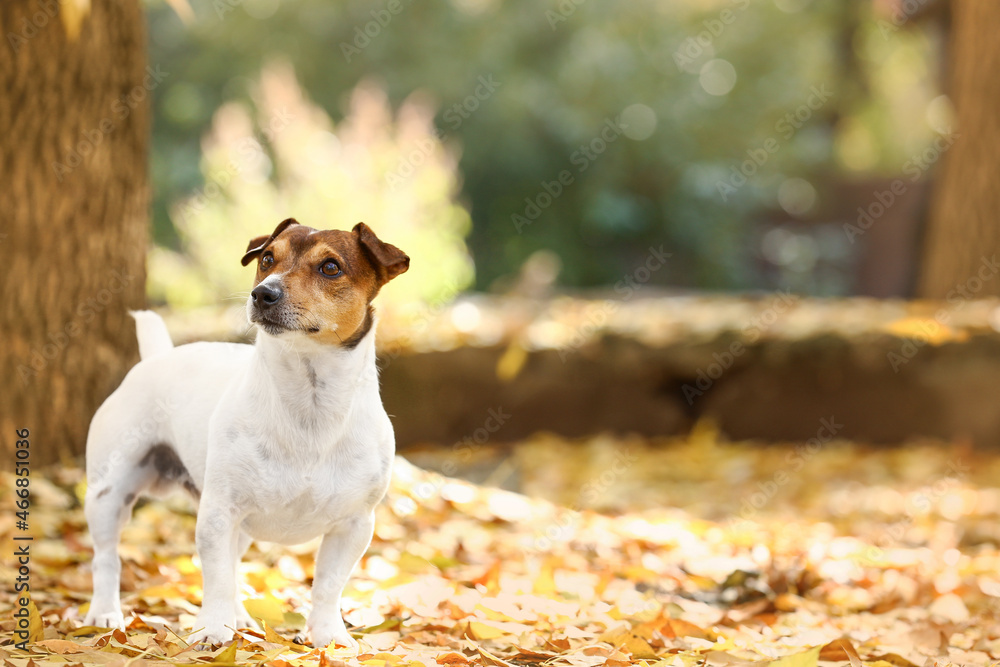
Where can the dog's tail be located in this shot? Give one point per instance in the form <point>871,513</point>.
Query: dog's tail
<point>152,333</point>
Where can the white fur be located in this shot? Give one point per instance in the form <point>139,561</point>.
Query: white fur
<point>286,440</point>
<point>151,332</point>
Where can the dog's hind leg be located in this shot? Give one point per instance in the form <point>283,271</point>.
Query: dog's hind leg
<point>108,506</point>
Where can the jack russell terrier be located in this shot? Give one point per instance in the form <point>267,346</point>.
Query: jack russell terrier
<point>282,441</point>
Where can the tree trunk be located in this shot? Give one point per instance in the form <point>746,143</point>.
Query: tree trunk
<point>964,227</point>
<point>74,198</point>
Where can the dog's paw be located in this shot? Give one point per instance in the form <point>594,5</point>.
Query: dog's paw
<point>105,619</point>
<point>210,633</point>
<point>323,636</point>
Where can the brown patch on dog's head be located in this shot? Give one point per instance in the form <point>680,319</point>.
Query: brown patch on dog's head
<point>259,243</point>
<point>320,283</point>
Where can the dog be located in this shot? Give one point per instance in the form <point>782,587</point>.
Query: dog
<point>283,441</point>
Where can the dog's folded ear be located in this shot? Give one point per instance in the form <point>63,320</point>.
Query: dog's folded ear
<point>388,260</point>
<point>257,245</point>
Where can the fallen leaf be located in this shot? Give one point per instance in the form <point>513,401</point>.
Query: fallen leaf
<point>808,658</point>
<point>451,658</point>
<point>267,609</point>
<point>841,649</point>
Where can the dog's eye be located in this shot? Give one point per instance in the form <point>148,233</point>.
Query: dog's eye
<point>267,261</point>
<point>329,268</point>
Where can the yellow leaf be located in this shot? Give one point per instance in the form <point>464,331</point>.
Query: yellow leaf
<point>545,583</point>
<point>390,658</point>
<point>414,564</point>
<point>36,631</point>
<point>85,630</point>
<point>72,13</point>
<point>387,624</point>
<point>890,660</point>
<point>226,656</point>
<point>451,658</point>
<point>483,631</point>
<point>808,658</point>
<point>511,361</point>
<point>616,633</point>
<point>639,648</point>
<point>294,620</point>
<point>490,659</point>
<point>273,637</point>
<point>268,609</point>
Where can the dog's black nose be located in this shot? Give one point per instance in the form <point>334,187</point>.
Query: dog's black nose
<point>266,295</point>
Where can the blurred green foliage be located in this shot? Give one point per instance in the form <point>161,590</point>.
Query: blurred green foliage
<point>283,157</point>
<point>684,92</point>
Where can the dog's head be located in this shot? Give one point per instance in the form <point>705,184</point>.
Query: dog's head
<point>319,283</point>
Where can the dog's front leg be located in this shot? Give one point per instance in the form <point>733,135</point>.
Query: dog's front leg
<point>340,551</point>
<point>217,537</point>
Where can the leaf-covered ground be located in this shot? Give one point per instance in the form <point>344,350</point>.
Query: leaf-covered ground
<point>702,553</point>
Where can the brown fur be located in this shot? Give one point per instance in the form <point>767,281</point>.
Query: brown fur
<point>335,310</point>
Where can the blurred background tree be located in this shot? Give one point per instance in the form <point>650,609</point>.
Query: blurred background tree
<point>964,230</point>
<point>75,199</point>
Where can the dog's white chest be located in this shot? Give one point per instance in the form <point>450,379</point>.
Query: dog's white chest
<point>290,504</point>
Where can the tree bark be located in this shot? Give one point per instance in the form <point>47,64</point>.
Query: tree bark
<point>74,199</point>
<point>963,231</point>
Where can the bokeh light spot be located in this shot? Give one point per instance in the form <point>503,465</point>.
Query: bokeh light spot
<point>717,77</point>
<point>941,115</point>
<point>638,122</point>
<point>796,196</point>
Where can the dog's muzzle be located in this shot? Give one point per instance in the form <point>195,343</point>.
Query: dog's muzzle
<point>265,296</point>
<point>268,309</point>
